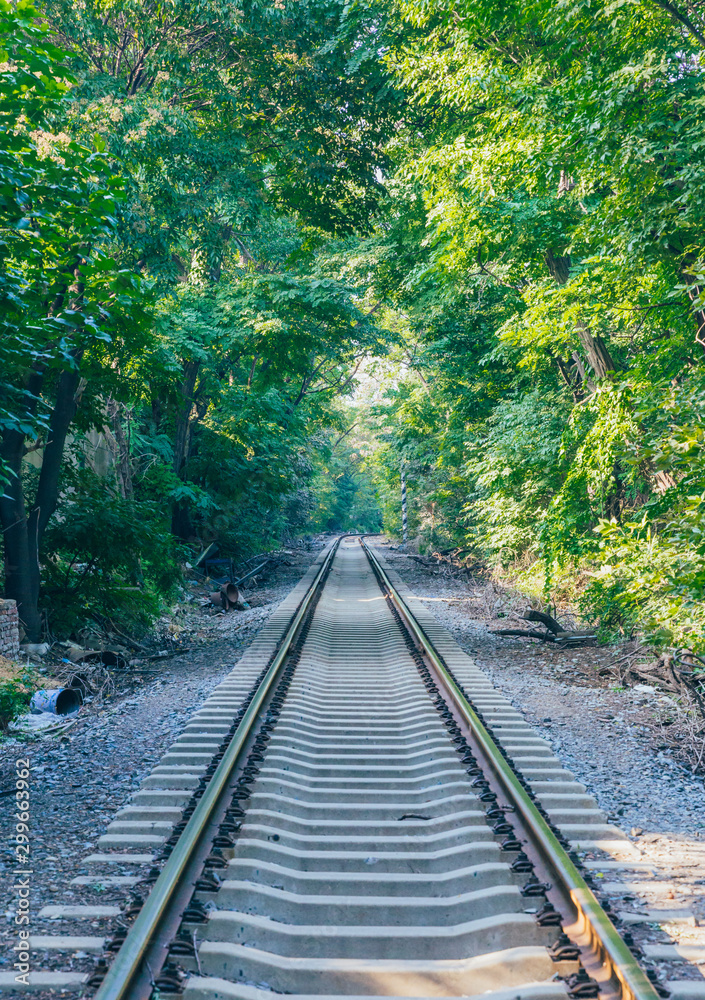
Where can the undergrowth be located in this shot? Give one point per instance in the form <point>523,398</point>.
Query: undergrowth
<point>17,684</point>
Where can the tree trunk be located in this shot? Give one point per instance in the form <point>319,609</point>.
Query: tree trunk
<point>67,398</point>
<point>663,481</point>
<point>582,374</point>
<point>598,355</point>
<point>21,574</point>
<point>22,531</point>
<point>118,445</point>
<point>180,518</point>
<point>694,293</point>
<point>558,267</point>
<point>404,513</point>
<point>183,416</point>
<point>573,379</point>
<point>181,524</point>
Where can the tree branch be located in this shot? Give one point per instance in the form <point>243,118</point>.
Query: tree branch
<point>684,20</point>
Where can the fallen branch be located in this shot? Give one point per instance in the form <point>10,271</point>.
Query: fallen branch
<point>655,679</point>
<point>561,638</point>
<point>526,633</point>
<point>126,639</point>
<point>632,652</point>
<point>539,616</point>
<point>688,670</point>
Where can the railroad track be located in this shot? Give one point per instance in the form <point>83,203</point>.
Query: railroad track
<point>354,812</point>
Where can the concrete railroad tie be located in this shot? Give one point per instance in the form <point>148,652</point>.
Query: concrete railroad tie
<point>365,865</point>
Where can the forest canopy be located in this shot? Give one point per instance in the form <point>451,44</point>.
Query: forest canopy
<point>261,257</point>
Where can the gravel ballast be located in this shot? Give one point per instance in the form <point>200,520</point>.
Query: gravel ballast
<point>609,738</point>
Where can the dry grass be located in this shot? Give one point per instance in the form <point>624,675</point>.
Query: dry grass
<point>10,670</point>
<point>682,730</point>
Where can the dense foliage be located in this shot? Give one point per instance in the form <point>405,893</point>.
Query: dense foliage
<point>173,343</point>
<point>549,224</point>
<point>260,256</point>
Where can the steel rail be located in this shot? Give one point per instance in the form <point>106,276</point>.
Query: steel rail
<point>604,936</point>
<point>128,961</point>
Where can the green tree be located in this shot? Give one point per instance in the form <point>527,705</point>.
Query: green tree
<point>549,223</point>
<point>64,300</point>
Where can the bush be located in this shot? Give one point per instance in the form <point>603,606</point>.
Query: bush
<point>15,696</point>
<point>647,581</point>
<point>106,558</point>
<point>611,601</point>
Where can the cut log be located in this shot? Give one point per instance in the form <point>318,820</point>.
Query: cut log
<point>570,639</point>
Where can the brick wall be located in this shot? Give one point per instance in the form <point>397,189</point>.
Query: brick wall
<point>9,629</point>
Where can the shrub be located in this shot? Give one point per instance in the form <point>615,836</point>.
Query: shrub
<point>108,559</point>
<point>15,693</point>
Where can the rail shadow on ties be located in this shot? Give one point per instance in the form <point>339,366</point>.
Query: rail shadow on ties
<point>362,830</point>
